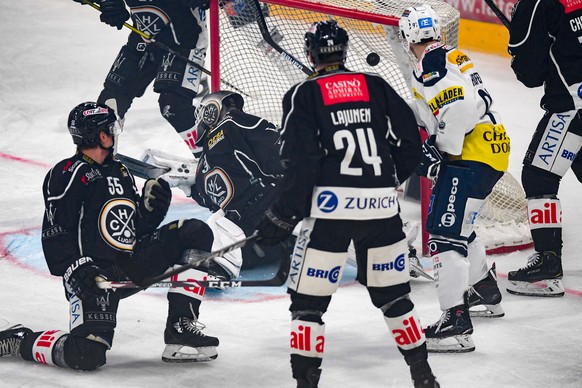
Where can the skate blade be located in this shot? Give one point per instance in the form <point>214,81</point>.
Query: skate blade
<point>181,353</point>
<point>462,343</point>
<point>551,288</point>
<point>486,311</point>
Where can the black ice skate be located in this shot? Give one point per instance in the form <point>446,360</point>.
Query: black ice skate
<point>452,333</point>
<point>11,338</point>
<point>485,297</point>
<point>422,376</point>
<point>542,276</point>
<point>185,342</point>
<point>311,378</point>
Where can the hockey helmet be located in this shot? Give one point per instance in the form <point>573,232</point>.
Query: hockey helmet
<point>327,42</point>
<point>212,109</point>
<point>88,119</point>
<point>420,24</point>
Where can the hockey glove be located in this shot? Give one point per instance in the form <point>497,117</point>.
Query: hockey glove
<point>431,159</point>
<point>157,196</point>
<point>273,229</point>
<point>81,278</point>
<point>114,13</point>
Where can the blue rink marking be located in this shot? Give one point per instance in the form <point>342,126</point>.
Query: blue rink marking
<point>25,247</point>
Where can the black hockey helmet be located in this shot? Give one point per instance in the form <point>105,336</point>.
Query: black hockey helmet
<point>87,120</point>
<point>213,107</point>
<point>327,42</point>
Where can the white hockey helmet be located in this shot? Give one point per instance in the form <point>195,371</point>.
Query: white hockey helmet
<point>420,24</point>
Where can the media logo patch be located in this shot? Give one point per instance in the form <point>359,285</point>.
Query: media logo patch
<point>399,264</point>
<point>332,275</point>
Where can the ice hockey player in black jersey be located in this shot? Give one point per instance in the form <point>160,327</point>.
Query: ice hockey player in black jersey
<point>94,217</point>
<point>238,169</point>
<point>348,141</point>
<point>178,24</point>
<point>545,42</point>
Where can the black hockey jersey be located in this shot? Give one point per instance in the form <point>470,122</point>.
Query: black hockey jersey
<point>90,210</point>
<point>153,16</point>
<point>239,168</point>
<point>546,45</point>
<point>348,140</point>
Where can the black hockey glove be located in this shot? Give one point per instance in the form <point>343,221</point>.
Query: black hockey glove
<point>204,4</point>
<point>430,162</point>
<point>114,13</point>
<point>157,196</point>
<point>273,229</point>
<point>81,277</point>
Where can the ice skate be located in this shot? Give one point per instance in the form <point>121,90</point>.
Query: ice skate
<point>422,376</point>
<point>485,297</point>
<point>452,333</point>
<point>542,276</point>
<point>185,342</point>
<point>11,338</point>
<point>311,378</point>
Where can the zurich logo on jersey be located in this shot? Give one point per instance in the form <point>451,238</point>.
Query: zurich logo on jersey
<point>327,201</point>
<point>425,22</point>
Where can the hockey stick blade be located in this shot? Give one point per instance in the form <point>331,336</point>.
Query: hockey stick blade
<point>142,169</point>
<point>266,34</point>
<point>276,281</point>
<point>421,272</point>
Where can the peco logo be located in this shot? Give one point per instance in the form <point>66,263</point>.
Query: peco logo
<point>448,219</point>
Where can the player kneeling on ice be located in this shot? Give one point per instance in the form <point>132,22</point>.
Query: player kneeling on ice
<point>96,223</point>
<point>465,155</point>
<point>340,178</point>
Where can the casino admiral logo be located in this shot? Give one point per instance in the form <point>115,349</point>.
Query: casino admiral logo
<point>116,223</point>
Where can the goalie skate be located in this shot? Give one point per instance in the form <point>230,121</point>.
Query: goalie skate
<point>185,342</point>
<point>452,333</point>
<point>542,277</point>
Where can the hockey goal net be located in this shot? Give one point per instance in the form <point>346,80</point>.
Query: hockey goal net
<point>257,50</point>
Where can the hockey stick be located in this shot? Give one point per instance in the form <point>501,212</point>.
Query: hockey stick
<point>277,280</point>
<point>500,15</point>
<point>142,169</point>
<point>169,49</point>
<point>271,42</point>
<point>193,258</point>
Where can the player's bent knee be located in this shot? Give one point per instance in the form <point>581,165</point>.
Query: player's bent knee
<point>84,354</point>
<point>386,296</point>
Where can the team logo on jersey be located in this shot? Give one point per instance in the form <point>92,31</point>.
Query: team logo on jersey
<point>150,20</point>
<point>344,88</point>
<point>116,223</point>
<point>218,187</point>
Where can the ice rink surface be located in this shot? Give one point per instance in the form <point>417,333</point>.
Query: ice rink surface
<point>56,54</point>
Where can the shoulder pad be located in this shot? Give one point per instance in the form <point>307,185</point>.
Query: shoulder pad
<point>459,59</point>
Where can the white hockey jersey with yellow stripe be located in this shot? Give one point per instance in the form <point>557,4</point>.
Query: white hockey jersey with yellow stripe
<point>453,103</point>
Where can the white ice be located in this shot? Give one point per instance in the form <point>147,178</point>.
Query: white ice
<point>55,54</point>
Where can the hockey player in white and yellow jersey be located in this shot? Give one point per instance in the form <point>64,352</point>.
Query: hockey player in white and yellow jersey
<point>466,153</point>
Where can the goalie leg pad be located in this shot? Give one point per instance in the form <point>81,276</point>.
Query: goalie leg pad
<point>451,274</point>
<point>225,233</point>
